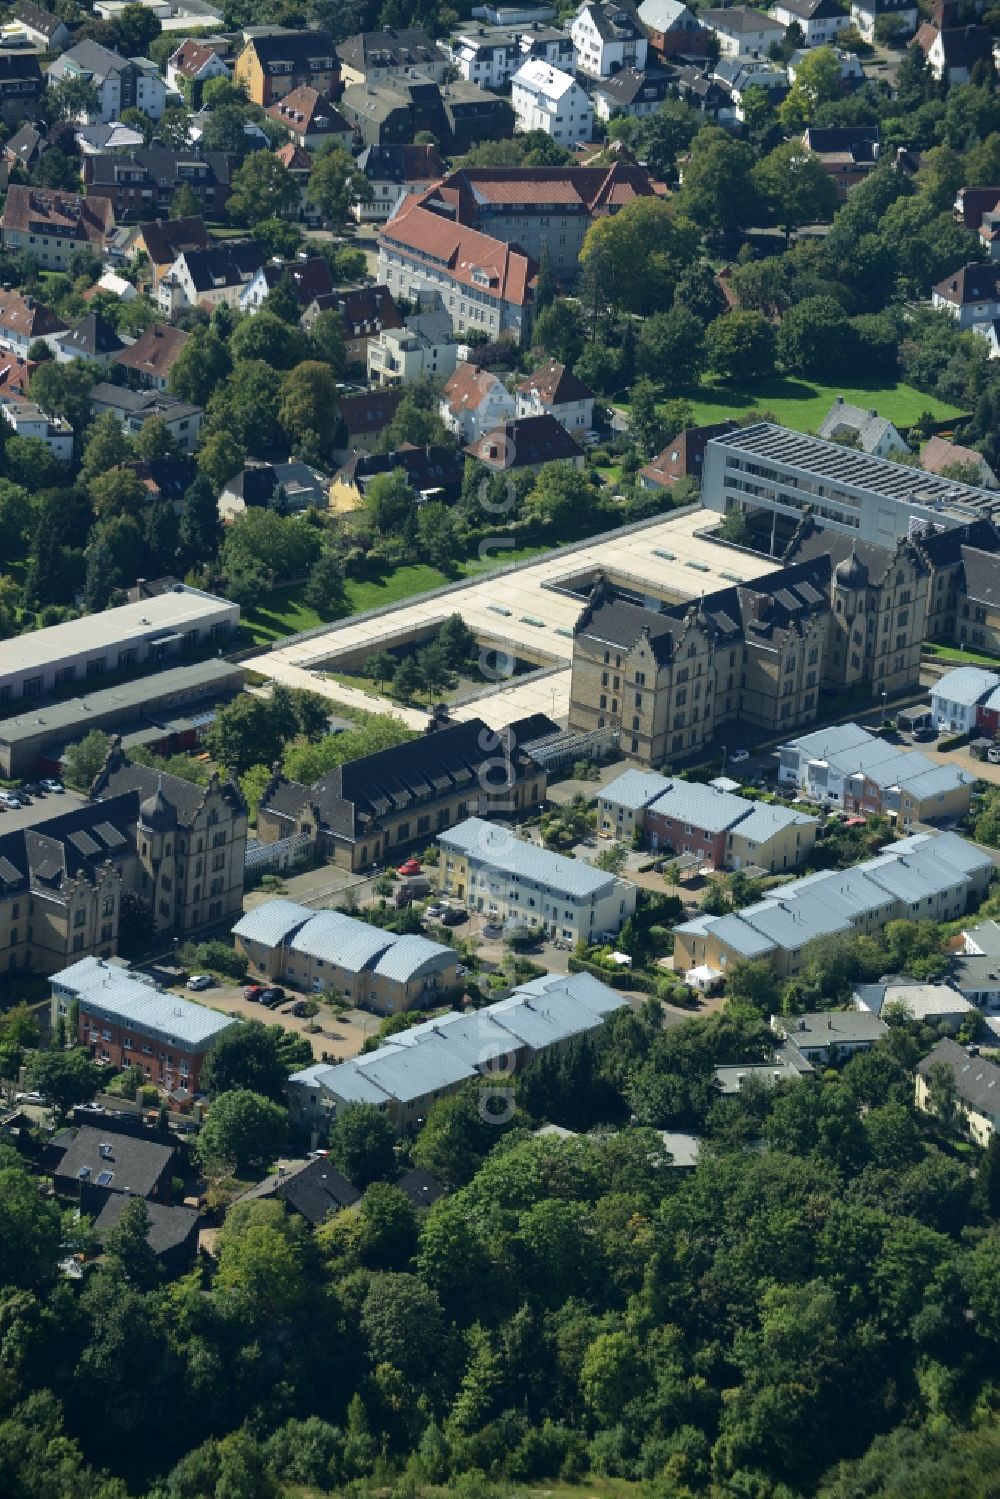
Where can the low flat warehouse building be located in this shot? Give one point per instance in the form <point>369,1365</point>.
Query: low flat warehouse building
<point>150,707</point>
<point>127,1021</point>
<point>783,473</point>
<point>322,950</point>
<point>511,880</point>
<point>127,639</point>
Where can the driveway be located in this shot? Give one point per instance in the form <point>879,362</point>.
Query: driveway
<point>340,1035</point>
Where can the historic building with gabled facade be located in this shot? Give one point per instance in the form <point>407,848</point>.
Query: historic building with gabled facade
<point>760,653</point>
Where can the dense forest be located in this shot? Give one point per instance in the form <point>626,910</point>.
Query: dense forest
<point>823,1289</point>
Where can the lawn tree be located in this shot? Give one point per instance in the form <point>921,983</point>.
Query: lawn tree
<point>795,188</point>
<point>266,338</point>
<point>246,1056</point>
<point>246,732</point>
<point>327,334</point>
<point>407,680</point>
<point>262,188</point>
<point>362,1145</point>
<point>380,667</point>
<point>337,184</point>
<point>65,1078</point>
<point>817,82</point>
<point>308,412</point>
<point>324,591</point>
<point>718,193</point>
<point>741,346</point>
<point>637,256</point>
<point>200,530</point>
<point>671,349</point>
<point>200,366</point>
<point>242,1135</point>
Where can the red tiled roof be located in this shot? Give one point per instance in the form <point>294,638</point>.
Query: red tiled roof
<point>594,190</point>
<point>938,454</point>
<point>190,58</point>
<point>683,458</point>
<point>15,374</point>
<point>467,387</point>
<point>299,108</point>
<point>467,254</point>
<point>27,317</point>
<point>554,385</point>
<point>29,208</point>
<point>155,352</point>
<point>294,158</point>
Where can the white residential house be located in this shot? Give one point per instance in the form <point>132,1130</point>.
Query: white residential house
<point>545,98</point>
<point>210,277</point>
<point>608,37</point>
<point>821,21</point>
<point>862,429</point>
<point>474,402</point>
<point>509,880</point>
<point>29,420</point>
<point>424,346</point>
<point>742,31</point>
<point>194,62</point>
<point>865,13</point>
<point>120,82</point>
<point>971,294</point>
<point>555,391</point>
<point>956,696</point>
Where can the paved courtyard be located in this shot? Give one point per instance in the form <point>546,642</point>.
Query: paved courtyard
<point>523,609</point>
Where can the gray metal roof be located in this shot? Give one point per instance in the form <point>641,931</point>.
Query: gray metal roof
<point>834,1028</point>
<point>341,940</point>
<point>977,1081</point>
<point>822,743</point>
<point>410,1072</point>
<point>634,789</point>
<point>581,988</point>
<point>765,822</point>
<point>986,936</point>
<point>496,847</point>
<point>924,1001</point>
<point>966,685</point>
<point>272,922</point>
<point>702,806</point>
<point>116,995</point>
<point>411,956</point>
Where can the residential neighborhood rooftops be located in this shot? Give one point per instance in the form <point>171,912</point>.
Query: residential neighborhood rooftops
<point>497,847</point>
<point>923,1001</point>
<point>977,1081</point>
<point>832,1028</point>
<point>555,385</point>
<point>966,685</point>
<point>154,352</point>
<point>525,443</point>
<point>112,991</point>
<point>634,789</point>
<point>131,1165</point>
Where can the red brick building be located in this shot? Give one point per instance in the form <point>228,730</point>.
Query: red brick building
<point>126,1022</point>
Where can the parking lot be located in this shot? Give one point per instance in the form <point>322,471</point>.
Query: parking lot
<point>340,1035</point>
<point>42,808</point>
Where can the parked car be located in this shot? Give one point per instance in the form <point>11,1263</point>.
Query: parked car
<point>271,996</point>
<point>200,981</point>
<point>31,1097</point>
<point>993,754</point>
<point>9,799</point>
<point>409,866</point>
<point>34,788</point>
<point>435,912</point>
<point>924,734</point>
<point>56,787</point>
<point>253,991</point>
<point>300,1009</point>
<point>492,930</point>
<point>739,757</point>
<point>454,916</point>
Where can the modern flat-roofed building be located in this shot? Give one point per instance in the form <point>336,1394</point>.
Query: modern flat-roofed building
<point>323,950</point>
<point>128,1022</point>
<point>406,1075</point>
<point>785,474</point>
<point>508,879</point>
<point>161,707</point>
<point>124,639</point>
<point>934,1004</point>
<point>925,877</point>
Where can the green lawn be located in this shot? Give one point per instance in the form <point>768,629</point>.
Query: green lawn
<point>802,404</point>
<point>960,656</point>
<point>283,612</point>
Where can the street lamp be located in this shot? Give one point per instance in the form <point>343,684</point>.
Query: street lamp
<point>884,696</point>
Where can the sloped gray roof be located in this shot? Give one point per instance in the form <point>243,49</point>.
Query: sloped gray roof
<point>966,685</point>
<point>272,922</point>
<point>497,847</point>
<point>634,789</point>
<point>411,955</point>
<point>977,1081</point>
<point>341,940</point>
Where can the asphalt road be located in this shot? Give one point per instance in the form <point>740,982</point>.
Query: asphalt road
<point>42,808</point>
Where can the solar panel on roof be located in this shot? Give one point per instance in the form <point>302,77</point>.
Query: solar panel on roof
<point>109,836</point>
<point>83,843</point>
